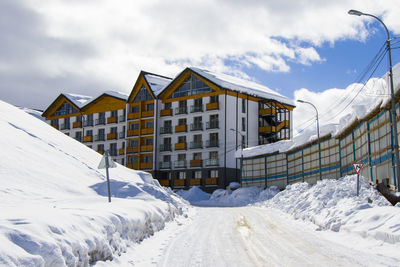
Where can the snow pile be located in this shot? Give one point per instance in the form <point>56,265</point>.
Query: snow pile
<point>334,205</point>
<point>228,198</point>
<point>54,208</point>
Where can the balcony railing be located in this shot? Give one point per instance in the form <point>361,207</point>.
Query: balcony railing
<point>121,135</point>
<point>166,130</point>
<point>114,152</point>
<point>132,116</point>
<point>196,163</point>
<point>100,151</point>
<point>195,181</point>
<point>196,108</point>
<point>180,146</point>
<point>211,181</point>
<point>166,112</point>
<point>211,162</point>
<point>180,110</point>
<point>165,165</point>
<point>148,113</point>
<point>111,136</point>
<point>100,121</point>
<point>146,165</point>
<point>212,143</point>
<point>64,126</point>
<point>181,128</point>
<point>212,124</point>
<point>147,130</point>
<point>194,145</point>
<point>180,164</point>
<point>133,132</point>
<point>212,106</point>
<point>121,151</point>
<point>196,126</point>
<point>87,123</point>
<point>77,124</point>
<point>179,182</point>
<point>78,138</point>
<point>122,118</point>
<point>112,119</point>
<point>165,147</point>
<point>146,148</point>
<point>99,137</point>
<point>88,138</point>
<point>132,149</point>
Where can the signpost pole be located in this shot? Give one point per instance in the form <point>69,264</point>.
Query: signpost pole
<point>108,178</point>
<point>358,183</point>
<point>357,167</point>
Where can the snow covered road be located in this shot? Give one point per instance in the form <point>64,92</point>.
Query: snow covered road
<point>251,236</point>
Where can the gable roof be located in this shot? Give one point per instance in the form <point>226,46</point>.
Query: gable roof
<point>115,94</point>
<point>239,85</point>
<point>156,82</point>
<point>76,100</point>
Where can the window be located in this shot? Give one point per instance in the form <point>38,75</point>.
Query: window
<point>78,119</point>
<point>197,138</point>
<point>167,124</point>
<point>166,158</point>
<point>182,122</point>
<point>148,124</point>
<point>102,115</point>
<point>198,102</point>
<point>182,103</point>
<point>197,156</point>
<point>181,175</point>
<point>192,86</point>
<point>113,130</point>
<point>213,174</point>
<point>143,95</point>
<point>89,133</point>
<point>168,105</point>
<point>135,109</point>
<point>214,99</point>
<point>133,143</point>
<point>133,160</point>
<point>148,141</point>
<point>134,126</point>
<point>54,122</point>
<point>113,149</point>
<point>122,161</point>
<point>182,139</point>
<point>78,136</point>
<point>114,113</point>
<point>167,141</point>
<point>181,157</point>
<point>148,158</point>
<point>149,107</point>
<point>243,106</point>
<point>243,124</point>
<point>244,141</point>
<point>65,109</point>
<point>100,147</point>
<point>197,120</point>
<point>197,174</point>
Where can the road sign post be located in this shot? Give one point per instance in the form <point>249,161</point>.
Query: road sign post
<point>357,167</point>
<point>105,163</point>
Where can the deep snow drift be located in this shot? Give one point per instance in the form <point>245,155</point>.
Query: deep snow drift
<point>54,208</point>
<point>330,204</point>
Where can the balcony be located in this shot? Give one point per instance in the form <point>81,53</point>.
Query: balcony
<point>212,143</point>
<point>65,126</point>
<point>132,116</point>
<point>180,110</point>
<point>121,151</point>
<point>181,128</point>
<point>165,165</point>
<point>147,130</point>
<point>166,130</point>
<point>179,182</point>
<point>146,148</point>
<point>101,121</point>
<point>267,112</point>
<point>122,118</point>
<point>212,124</point>
<point>148,113</point>
<point>196,108</point>
<point>87,123</point>
<point>194,145</point>
<point>112,119</point>
<point>212,106</point>
<point>195,181</point>
<point>100,151</point>
<point>77,124</point>
<point>180,164</point>
<point>133,132</point>
<point>88,138</point>
<point>111,136</point>
<point>196,126</point>
<point>165,147</point>
<point>211,181</point>
<point>166,112</point>
<point>164,182</point>
<point>196,163</point>
<point>55,126</point>
<point>99,137</point>
<point>78,138</point>
<point>146,165</point>
<point>132,149</point>
<point>211,162</point>
<point>121,135</point>
<point>181,146</point>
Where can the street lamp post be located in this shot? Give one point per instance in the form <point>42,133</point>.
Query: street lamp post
<point>395,139</point>
<point>319,142</point>
<point>241,156</point>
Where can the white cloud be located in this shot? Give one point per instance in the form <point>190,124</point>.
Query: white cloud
<point>120,38</point>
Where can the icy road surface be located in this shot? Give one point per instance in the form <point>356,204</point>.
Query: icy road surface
<point>251,236</point>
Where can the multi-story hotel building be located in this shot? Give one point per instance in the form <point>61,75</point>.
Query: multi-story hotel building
<point>184,130</point>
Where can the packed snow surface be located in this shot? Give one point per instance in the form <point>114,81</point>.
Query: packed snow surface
<point>54,208</point>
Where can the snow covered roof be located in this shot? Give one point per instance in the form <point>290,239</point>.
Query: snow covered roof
<point>78,100</point>
<point>242,86</point>
<point>116,94</point>
<point>156,82</point>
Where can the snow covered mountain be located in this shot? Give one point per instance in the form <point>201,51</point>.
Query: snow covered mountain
<point>54,199</point>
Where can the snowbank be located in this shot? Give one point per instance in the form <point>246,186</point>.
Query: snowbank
<point>228,198</point>
<point>333,204</point>
<point>54,201</point>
